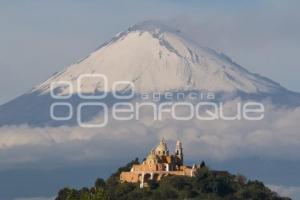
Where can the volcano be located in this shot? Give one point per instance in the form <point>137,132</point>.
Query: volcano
<point>155,58</point>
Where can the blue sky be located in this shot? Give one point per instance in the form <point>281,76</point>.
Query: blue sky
<point>39,38</point>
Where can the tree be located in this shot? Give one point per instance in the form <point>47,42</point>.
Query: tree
<point>202,164</point>
<point>223,186</point>
<point>242,180</point>
<point>99,194</point>
<point>99,183</point>
<point>67,194</point>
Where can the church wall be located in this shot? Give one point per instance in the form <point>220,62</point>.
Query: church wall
<point>129,177</point>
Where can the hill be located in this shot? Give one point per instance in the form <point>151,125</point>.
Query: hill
<point>204,185</point>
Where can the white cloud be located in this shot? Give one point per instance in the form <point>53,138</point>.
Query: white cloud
<point>287,191</point>
<point>274,137</point>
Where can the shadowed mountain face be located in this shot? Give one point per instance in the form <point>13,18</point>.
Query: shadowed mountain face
<point>154,58</point>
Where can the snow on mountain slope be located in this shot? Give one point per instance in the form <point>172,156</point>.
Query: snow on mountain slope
<point>158,58</point>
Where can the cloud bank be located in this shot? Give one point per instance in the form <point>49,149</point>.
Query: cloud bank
<point>275,137</point>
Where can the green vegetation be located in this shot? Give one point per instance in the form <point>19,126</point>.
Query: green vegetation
<point>206,185</point>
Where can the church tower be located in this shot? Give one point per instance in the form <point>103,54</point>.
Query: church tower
<point>179,152</point>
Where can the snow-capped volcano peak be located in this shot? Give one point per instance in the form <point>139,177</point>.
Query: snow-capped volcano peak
<point>156,57</point>
<point>152,27</point>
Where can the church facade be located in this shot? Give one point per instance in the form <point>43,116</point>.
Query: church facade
<point>159,163</point>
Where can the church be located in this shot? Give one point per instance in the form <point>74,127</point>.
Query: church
<point>159,163</point>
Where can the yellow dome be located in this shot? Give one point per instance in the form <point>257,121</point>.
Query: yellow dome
<point>152,158</point>
<point>162,148</point>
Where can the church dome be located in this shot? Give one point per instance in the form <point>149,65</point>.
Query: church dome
<point>162,148</point>
<point>152,158</point>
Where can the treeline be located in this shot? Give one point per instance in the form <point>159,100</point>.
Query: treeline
<point>206,185</point>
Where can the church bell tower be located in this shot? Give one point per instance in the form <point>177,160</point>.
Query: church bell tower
<point>179,152</point>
